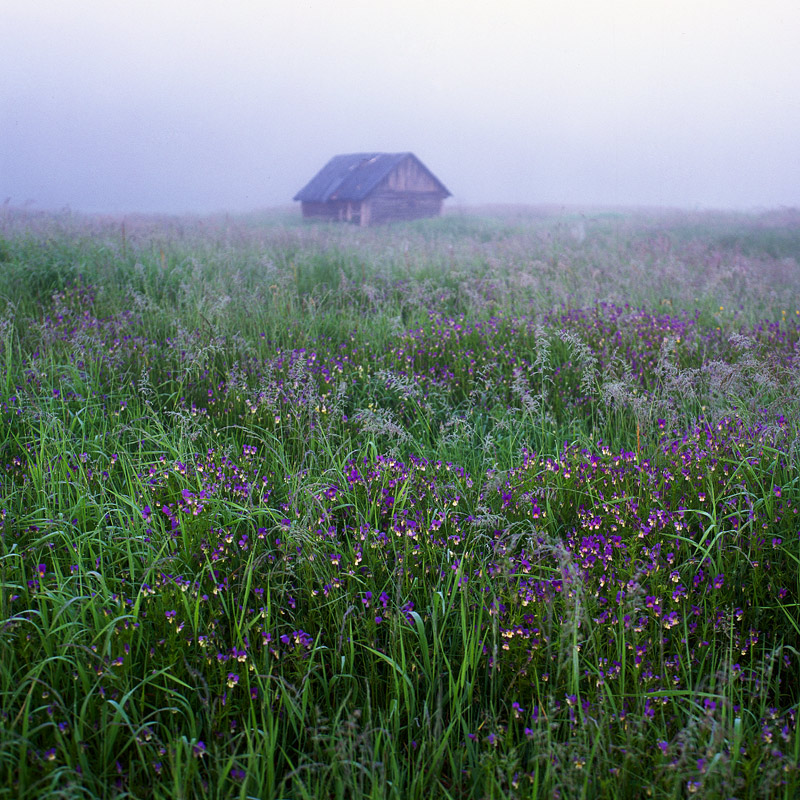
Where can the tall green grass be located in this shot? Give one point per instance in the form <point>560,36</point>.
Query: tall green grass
<point>497,506</point>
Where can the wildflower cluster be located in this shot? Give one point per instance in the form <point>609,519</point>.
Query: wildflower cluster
<point>475,547</point>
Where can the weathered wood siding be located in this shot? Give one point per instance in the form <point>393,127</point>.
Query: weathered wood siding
<point>319,210</point>
<point>334,210</point>
<point>409,192</point>
<point>410,177</point>
<point>387,206</point>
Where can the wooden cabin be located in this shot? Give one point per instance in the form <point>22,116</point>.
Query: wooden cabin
<point>371,188</point>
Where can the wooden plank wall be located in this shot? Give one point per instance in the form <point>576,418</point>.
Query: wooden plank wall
<point>335,210</point>
<point>389,206</point>
<point>408,176</point>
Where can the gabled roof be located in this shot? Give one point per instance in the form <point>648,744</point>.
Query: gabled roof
<point>354,176</point>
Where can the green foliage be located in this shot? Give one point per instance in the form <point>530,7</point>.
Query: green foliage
<point>498,506</point>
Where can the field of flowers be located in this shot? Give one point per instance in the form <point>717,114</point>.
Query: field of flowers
<point>479,507</point>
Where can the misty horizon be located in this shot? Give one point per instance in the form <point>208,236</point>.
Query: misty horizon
<point>204,107</point>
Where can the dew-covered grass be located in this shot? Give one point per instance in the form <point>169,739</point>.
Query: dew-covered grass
<point>479,507</point>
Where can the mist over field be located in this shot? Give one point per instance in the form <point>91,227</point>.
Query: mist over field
<point>204,106</point>
<point>499,502</point>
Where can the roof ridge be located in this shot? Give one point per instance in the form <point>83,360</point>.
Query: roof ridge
<point>352,176</point>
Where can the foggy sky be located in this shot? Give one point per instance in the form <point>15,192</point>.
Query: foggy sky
<point>208,105</point>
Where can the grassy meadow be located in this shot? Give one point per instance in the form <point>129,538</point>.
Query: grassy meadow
<point>489,506</point>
